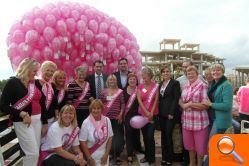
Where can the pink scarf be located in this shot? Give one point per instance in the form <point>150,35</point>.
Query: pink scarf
<point>48,92</point>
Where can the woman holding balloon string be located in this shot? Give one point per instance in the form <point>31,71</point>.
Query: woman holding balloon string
<point>79,94</point>
<point>59,86</point>
<point>113,99</point>
<point>147,95</point>
<point>23,99</point>
<point>131,135</point>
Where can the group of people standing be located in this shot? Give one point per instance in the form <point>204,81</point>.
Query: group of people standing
<point>88,120</point>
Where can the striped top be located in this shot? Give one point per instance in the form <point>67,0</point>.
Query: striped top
<point>117,106</point>
<point>74,91</point>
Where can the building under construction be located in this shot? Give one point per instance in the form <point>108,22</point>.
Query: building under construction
<point>173,53</point>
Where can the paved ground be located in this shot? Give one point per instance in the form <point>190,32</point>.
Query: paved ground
<point>140,156</point>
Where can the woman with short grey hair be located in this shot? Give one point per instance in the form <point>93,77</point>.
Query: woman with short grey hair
<point>79,94</point>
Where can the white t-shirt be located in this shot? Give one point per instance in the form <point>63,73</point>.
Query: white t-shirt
<point>86,134</point>
<point>57,136</point>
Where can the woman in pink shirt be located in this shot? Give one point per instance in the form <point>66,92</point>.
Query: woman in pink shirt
<point>243,100</point>
<point>194,117</point>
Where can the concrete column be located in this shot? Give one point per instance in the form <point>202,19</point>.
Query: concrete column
<point>243,79</point>
<point>172,67</point>
<point>239,78</point>
<point>165,57</point>
<point>235,77</point>
<point>178,45</point>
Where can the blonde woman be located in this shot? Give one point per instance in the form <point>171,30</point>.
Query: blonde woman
<point>113,99</point>
<point>96,135</point>
<point>47,70</point>
<point>59,87</point>
<point>147,96</point>
<point>79,94</point>
<point>62,144</point>
<point>23,99</point>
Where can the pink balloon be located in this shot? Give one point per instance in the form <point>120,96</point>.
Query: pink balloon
<point>138,121</point>
<point>18,36</point>
<point>56,12</point>
<point>122,50</point>
<point>27,24</point>
<point>71,24</point>
<point>56,44</point>
<point>111,44</point>
<point>103,27</point>
<point>40,43</point>
<point>89,36</point>
<point>102,38</point>
<point>112,31</point>
<point>39,24</point>
<point>77,62</point>
<point>119,39</point>
<point>31,37</point>
<point>93,25</point>
<point>61,27</point>
<point>95,56</point>
<point>47,53</point>
<point>48,33</point>
<point>50,20</point>
<point>24,50</point>
<point>13,50</point>
<point>115,54</point>
<point>99,48</point>
<point>65,11</point>
<point>81,26</point>
<point>75,14</point>
<point>37,55</point>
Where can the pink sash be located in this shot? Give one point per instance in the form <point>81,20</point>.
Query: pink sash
<point>147,102</point>
<point>61,95</point>
<point>191,89</point>
<point>102,132</point>
<point>48,92</point>
<point>22,103</point>
<point>81,97</point>
<point>108,105</point>
<point>44,154</point>
<point>131,101</point>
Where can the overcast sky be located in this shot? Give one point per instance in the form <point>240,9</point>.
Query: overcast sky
<point>221,27</point>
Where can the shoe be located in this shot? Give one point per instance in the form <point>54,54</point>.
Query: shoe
<point>168,163</point>
<point>118,161</point>
<point>163,163</point>
<point>140,150</point>
<point>143,160</point>
<point>129,160</point>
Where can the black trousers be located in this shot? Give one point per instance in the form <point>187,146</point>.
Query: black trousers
<point>132,138</point>
<point>56,160</point>
<point>149,141</point>
<point>167,127</point>
<point>118,139</point>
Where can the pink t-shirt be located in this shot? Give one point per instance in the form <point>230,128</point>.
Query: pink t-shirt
<point>243,98</point>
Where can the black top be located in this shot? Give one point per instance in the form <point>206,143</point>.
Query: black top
<point>15,90</point>
<point>63,101</point>
<point>168,102</point>
<point>134,107</point>
<point>53,106</point>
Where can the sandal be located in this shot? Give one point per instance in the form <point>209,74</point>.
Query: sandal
<point>143,160</point>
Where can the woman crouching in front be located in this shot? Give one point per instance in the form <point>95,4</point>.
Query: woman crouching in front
<point>62,144</point>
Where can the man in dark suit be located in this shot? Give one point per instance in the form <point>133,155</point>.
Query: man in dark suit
<point>122,73</point>
<point>97,80</point>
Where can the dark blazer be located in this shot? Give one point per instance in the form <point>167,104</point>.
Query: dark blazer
<point>91,80</point>
<point>168,102</point>
<point>117,74</point>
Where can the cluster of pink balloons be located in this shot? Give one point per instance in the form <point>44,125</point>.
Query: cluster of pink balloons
<point>72,34</point>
